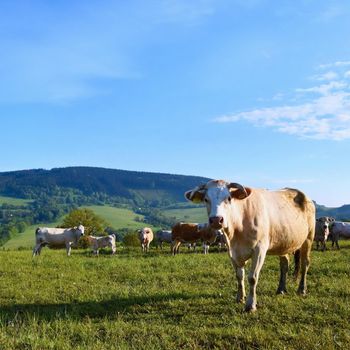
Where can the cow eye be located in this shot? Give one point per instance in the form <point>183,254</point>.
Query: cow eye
<point>206,200</point>
<point>229,199</point>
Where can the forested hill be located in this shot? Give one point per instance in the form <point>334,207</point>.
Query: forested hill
<point>91,180</point>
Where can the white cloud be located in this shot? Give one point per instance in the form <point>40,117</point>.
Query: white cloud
<point>324,89</point>
<point>331,75</point>
<point>324,115</point>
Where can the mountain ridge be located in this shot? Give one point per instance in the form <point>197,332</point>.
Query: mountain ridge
<point>151,188</point>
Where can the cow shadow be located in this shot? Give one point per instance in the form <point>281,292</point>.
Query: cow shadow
<point>93,309</point>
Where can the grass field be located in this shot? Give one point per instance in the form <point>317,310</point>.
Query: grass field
<point>116,217</point>
<point>13,201</point>
<point>157,301</point>
<point>188,214</point>
<point>27,238</point>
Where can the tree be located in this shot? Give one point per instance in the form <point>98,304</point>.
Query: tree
<point>94,224</point>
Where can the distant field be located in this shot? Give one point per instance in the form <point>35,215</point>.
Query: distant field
<point>157,301</point>
<point>116,217</point>
<point>27,238</point>
<point>14,201</point>
<point>187,214</point>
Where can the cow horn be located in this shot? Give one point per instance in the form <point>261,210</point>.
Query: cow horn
<point>239,186</point>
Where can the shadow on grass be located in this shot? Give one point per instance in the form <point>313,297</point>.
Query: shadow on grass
<point>93,309</point>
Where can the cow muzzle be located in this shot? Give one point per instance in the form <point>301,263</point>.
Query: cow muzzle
<point>216,222</point>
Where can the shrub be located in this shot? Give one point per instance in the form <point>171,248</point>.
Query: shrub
<point>131,239</point>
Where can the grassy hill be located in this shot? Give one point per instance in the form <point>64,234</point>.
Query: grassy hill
<point>130,185</point>
<point>157,301</point>
<point>117,218</point>
<point>27,238</point>
<point>187,214</point>
<point>14,201</point>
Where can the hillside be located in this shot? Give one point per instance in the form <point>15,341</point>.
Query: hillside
<point>31,197</point>
<point>130,185</point>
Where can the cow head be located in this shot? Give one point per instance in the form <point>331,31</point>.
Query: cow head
<point>80,229</point>
<point>324,222</point>
<point>143,234</point>
<point>218,196</point>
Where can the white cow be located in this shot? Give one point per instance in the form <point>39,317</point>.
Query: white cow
<point>57,238</point>
<point>339,229</point>
<point>101,242</point>
<point>322,231</point>
<point>163,236</point>
<point>257,222</point>
<point>145,237</point>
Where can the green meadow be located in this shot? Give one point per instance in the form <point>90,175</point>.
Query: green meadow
<point>13,201</point>
<point>116,217</point>
<point>188,214</point>
<point>157,301</point>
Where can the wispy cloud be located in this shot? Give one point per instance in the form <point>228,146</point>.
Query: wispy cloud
<point>324,112</point>
<point>53,53</point>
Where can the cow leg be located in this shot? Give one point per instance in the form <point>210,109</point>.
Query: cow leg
<point>68,248</point>
<point>336,241</point>
<point>37,249</point>
<point>175,247</point>
<point>205,248</point>
<point>304,265</point>
<point>284,264</point>
<point>239,270</point>
<point>257,263</point>
<point>337,244</point>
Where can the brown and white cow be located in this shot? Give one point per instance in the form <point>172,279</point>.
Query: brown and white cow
<point>322,231</point>
<point>146,237</point>
<point>191,233</point>
<point>57,238</point>
<point>101,242</point>
<point>257,222</point>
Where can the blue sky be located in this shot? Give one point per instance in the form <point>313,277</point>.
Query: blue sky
<point>252,91</point>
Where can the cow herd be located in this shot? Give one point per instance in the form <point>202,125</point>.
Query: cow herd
<point>250,222</point>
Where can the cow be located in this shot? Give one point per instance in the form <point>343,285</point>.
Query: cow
<point>57,238</point>
<point>191,233</point>
<point>163,236</point>
<point>322,231</point>
<point>146,237</point>
<point>257,222</point>
<point>339,229</point>
<point>101,242</point>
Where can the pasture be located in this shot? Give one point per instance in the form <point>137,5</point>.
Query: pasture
<point>187,214</point>
<point>14,201</point>
<point>116,217</point>
<point>157,301</point>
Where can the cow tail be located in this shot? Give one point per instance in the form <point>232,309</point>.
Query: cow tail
<point>296,263</point>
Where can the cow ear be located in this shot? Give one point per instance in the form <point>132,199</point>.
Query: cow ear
<point>195,196</point>
<point>239,192</point>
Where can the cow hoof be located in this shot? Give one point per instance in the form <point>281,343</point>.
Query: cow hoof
<point>250,308</point>
<point>302,292</point>
<point>240,299</point>
<point>281,291</point>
